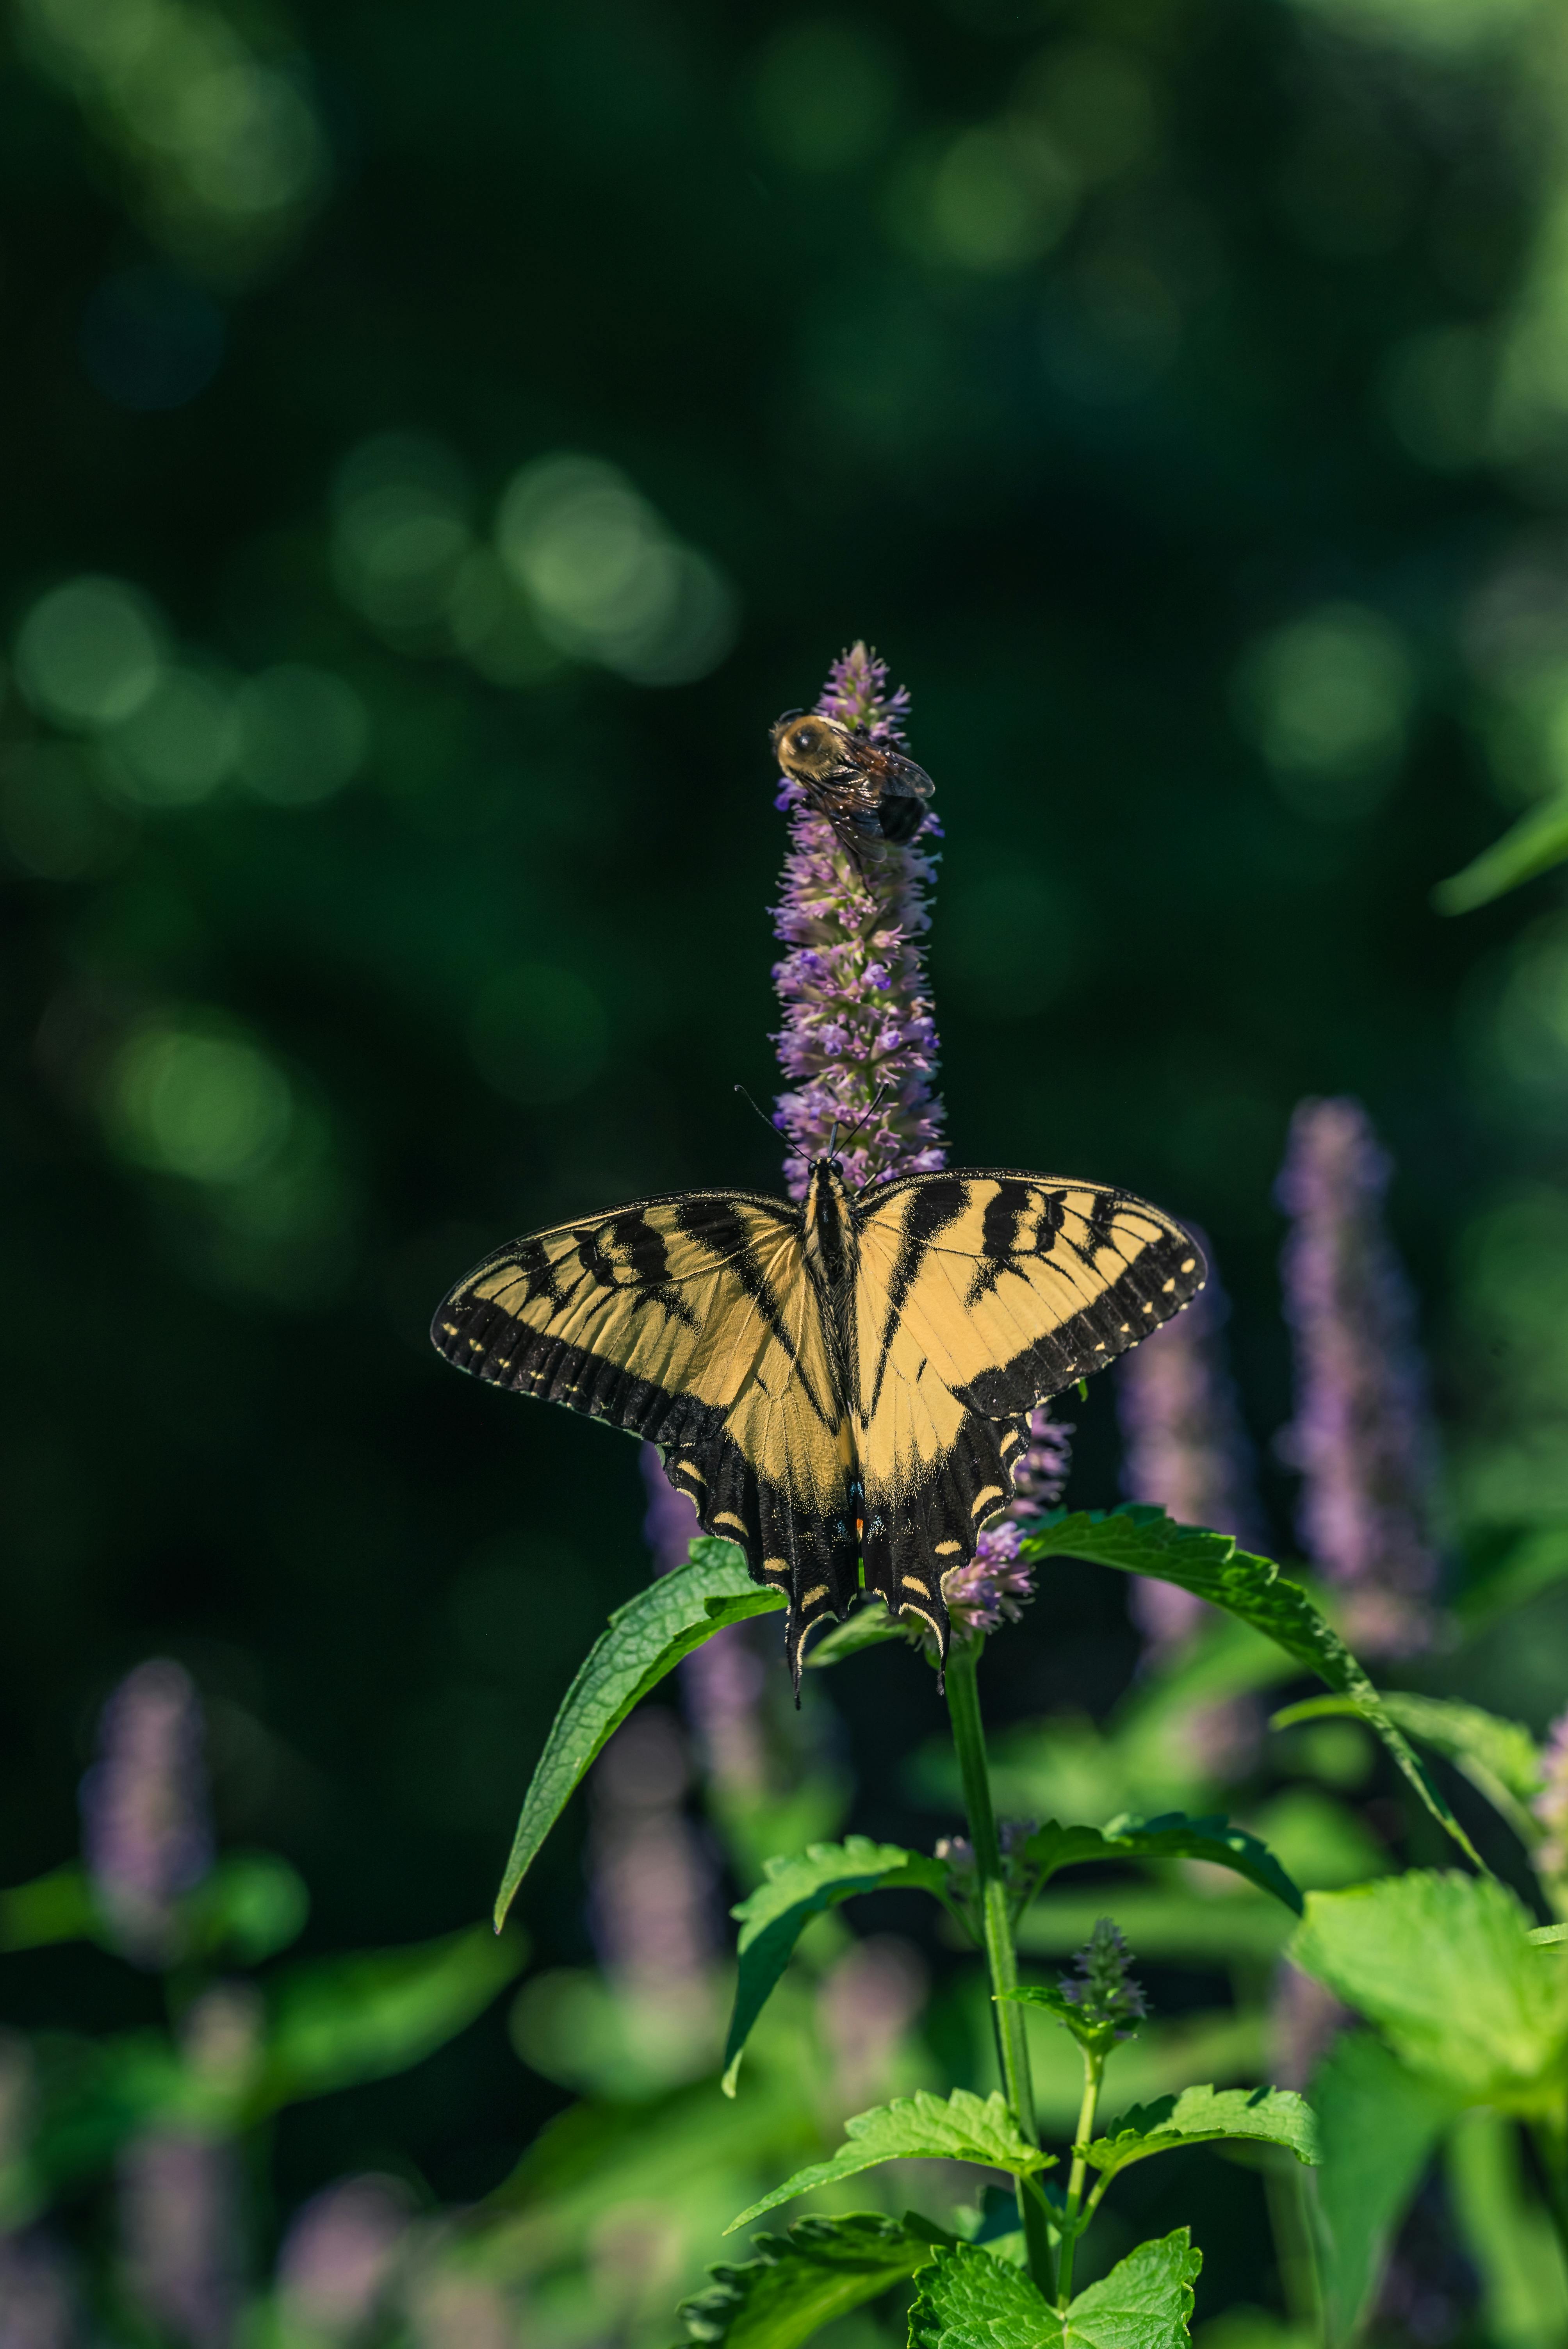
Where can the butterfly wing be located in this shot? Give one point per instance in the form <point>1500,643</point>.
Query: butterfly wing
<point>978,1295</point>
<point>689,1321</point>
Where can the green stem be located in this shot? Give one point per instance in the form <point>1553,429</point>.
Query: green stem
<point>1093,2073</point>
<point>1001,1958</point>
<point>1552,2145</point>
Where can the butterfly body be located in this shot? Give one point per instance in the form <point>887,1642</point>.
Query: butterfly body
<point>867,791</point>
<point>842,1385</point>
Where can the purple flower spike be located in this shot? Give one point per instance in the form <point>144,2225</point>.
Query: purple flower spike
<point>147,1836</point>
<point>1361,1436</point>
<point>1184,1448</point>
<point>1550,1805</point>
<point>179,2232</point>
<point>857,1006</point>
<point>992,1587</point>
<point>722,1679</point>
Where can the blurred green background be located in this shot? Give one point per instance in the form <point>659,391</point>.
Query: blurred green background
<point>438,443</point>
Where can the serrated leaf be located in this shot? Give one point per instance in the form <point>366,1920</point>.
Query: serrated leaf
<point>1138,1539</point>
<point>1533,845</point>
<point>795,2283</point>
<point>342,2020</point>
<point>793,1892</point>
<point>1171,1836</point>
<point>643,1641</point>
<point>867,1626</point>
<point>1499,1756</point>
<point>1269,2116</point>
<point>968,2299</point>
<point>922,2127</point>
<point>1444,1965</point>
<point>1378,2122</point>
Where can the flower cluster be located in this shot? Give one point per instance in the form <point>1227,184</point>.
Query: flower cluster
<point>1110,2003</point>
<point>1550,1805</point>
<point>722,1679</point>
<point>1184,1447</point>
<point>146,1837</point>
<point>992,1587</point>
<point>1361,1435</point>
<point>857,1006</point>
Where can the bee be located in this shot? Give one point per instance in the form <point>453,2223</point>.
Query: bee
<point>868,791</point>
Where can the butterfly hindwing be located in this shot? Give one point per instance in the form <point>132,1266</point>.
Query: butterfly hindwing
<point>689,1321</point>
<point>980,1295</point>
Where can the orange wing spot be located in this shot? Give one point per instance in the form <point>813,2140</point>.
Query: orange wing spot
<point>947,1549</point>
<point>726,1518</point>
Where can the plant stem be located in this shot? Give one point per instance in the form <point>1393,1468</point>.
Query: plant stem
<point>1093,2073</point>
<point>1001,1958</point>
<point>1552,2145</point>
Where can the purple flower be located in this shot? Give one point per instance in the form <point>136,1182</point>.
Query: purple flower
<point>339,2252</point>
<point>179,2223</point>
<point>1550,1805</point>
<point>652,1902</point>
<point>1304,2022</point>
<point>146,1835</point>
<point>1108,1999</point>
<point>997,1582</point>
<point>37,2303</point>
<point>1185,1449</point>
<point>721,1681</point>
<point>1361,1436</point>
<point>857,1009</point>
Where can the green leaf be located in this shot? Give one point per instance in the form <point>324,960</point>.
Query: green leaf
<point>796,2284</point>
<point>1499,1757</point>
<point>1198,2115</point>
<point>645,1640</point>
<point>1443,1964</point>
<point>1138,1539</point>
<point>922,2127</point>
<point>1171,1836</point>
<point>58,1906</point>
<point>967,2300</point>
<point>1159,1923</point>
<point>1536,843</point>
<point>866,1627</point>
<point>251,1907</point>
<point>773,1918</point>
<point>1512,2242</point>
<point>347,2019</point>
<point>1378,2124</point>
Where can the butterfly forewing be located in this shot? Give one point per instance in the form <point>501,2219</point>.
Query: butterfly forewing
<point>979,1294</point>
<point>689,1321</point>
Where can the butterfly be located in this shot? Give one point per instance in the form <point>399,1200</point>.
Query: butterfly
<point>867,791</point>
<point>841,1386</point>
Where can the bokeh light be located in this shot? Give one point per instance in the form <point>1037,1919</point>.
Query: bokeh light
<point>825,94</point>
<point>301,733</point>
<point>178,745</point>
<point>400,532</point>
<point>606,578</point>
<point>53,818</point>
<point>89,654</point>
<point>1328,699</point>
<point>192,1101</point>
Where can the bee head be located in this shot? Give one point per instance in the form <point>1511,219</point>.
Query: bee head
<point>806,745</point>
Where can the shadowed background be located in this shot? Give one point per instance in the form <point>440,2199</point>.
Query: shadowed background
<point>439,442</point>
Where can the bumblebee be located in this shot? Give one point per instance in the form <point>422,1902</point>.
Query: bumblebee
<point>868,791</point>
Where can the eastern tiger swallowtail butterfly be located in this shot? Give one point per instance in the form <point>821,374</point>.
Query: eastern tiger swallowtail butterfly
<point>868,791</point>
<point>842,1383</point>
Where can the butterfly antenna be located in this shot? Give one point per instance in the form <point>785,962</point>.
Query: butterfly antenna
<point>772,1129</point>
<point>870,1114</point>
